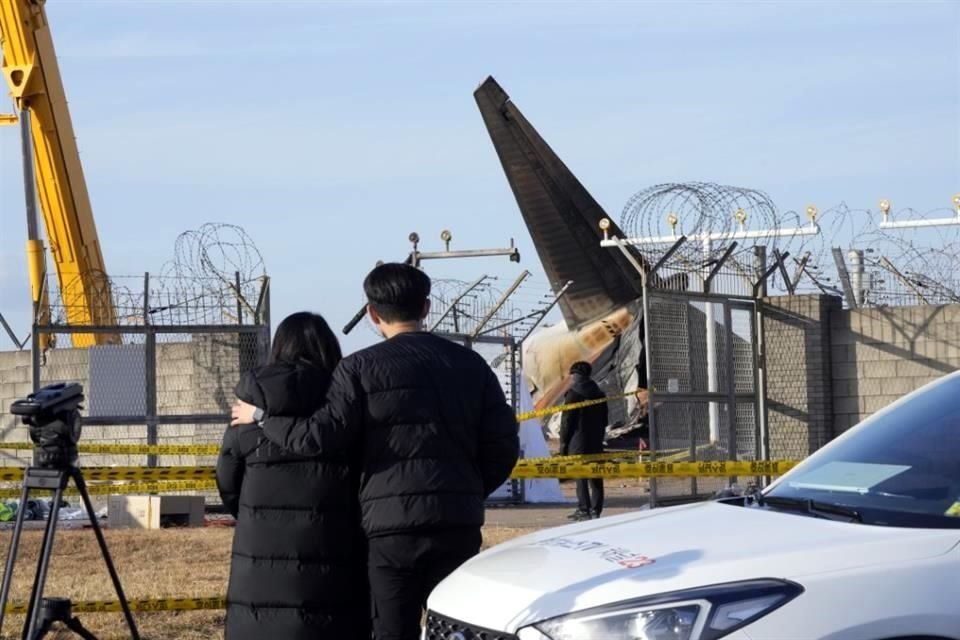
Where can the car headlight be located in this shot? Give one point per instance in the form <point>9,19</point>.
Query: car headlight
<point>705,613</point>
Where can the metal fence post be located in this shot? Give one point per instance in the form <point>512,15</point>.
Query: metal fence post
<point>236,279</point>
<point>731,383</point>
<point>149,371</point>
<point>651,408</point>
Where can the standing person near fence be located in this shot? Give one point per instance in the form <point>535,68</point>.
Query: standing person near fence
<point>582,432</point>
<point>298,566</point>
<point>435,435</point>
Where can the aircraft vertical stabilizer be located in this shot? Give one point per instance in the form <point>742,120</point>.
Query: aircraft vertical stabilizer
<point>560,213</point>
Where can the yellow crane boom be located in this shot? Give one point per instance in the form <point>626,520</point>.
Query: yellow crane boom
<point>33,75</point>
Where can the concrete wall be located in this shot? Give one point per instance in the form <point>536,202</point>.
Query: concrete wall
<point>829,367</point>
<point>798,386</point>
<point>195,377</point>
<point>881,354</point>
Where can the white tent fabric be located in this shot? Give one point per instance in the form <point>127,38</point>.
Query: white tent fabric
<point>534,445</point>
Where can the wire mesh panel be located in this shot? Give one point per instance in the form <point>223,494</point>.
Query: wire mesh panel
<point>503,357</point>
<point>154,386</point>
<point>683,432</point>
<point>196,373</point>
<point>702,385</point>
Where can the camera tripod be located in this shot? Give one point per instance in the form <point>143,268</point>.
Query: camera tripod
<point>43,612</point>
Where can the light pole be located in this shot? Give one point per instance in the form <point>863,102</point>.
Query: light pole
<point>915,224</point>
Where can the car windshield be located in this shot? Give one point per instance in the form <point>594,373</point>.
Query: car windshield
<point>900,467</point>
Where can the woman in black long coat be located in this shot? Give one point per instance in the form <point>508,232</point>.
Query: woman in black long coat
<point>298,567</point>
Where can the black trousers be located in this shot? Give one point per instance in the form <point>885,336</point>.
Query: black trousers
<point>584,489</point>
<point>405,568</point>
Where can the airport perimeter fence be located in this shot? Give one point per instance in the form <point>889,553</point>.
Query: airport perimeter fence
<point>502,353</point>
<point>703,352</point>
<point>164,374</point>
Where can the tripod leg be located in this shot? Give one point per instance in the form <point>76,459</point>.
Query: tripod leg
<point>12,553</point>
<point>74,625</point>
<point>82,487</point>
<point>45,627</point>
<point>40,579</point>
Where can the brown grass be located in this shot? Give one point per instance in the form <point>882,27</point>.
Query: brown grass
<point>152,564</point>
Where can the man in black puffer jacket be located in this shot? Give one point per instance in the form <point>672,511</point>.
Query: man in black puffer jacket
<point>434,435</point>
<point>582,432</point>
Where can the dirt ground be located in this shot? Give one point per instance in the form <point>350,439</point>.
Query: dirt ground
<point>195,563</point>
<point>152,564</point>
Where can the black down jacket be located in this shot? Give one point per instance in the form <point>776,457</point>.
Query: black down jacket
<point>298,568</point>
<point>431,423</point>
<point>582,430</point>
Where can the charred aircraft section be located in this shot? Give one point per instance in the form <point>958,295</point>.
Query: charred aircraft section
<point>601,309</point>
<point>560,213</point>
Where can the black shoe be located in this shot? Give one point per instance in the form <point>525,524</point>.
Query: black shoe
<point>579,515</point>
<point>594,514</point>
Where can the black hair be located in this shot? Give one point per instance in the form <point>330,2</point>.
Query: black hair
<point>397,292</point>
<point>582,368</point>
<point>306,337</point>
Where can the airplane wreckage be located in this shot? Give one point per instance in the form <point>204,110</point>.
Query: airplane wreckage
<point>601,307</point>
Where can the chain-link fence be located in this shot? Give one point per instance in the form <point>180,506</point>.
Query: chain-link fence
<point>703,391</point>
<point>502,354</point>
<point>150,378</point>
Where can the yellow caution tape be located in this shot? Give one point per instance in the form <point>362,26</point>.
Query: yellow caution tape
<point>132,449</point>
<point>214,449</point>
<point>128,473</point>
<point>149,604</point>
<point>170,486</point>
<point>549,411</point>
<point>614,454</point>
<point>713,468</point>
<point>152,449</point>
<point>595,465</point>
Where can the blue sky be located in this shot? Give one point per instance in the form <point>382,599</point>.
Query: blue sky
<point>330,131</point>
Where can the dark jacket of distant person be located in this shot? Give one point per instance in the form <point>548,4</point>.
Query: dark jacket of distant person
<point>582,430</point>
<point>298,565</point>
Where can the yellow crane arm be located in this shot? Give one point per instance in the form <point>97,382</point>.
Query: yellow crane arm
<point>33,75</point>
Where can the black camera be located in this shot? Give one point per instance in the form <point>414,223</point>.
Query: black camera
<point>53,415</point>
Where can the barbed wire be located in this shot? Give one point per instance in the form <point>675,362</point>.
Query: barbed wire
<point>215,277</point>
<point>901,266</point>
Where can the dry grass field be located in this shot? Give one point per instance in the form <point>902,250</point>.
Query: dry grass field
<point>152,564</point>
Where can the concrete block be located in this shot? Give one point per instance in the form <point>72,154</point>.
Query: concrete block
<point>869,387</point>
<point>22,390</point>
<point>871,404</point>
<point>8,388</point>
<point>914,369</point>
<point>154,512</point>
<point>845,371</point>
<point>877,369</point>
<point>849,404</point>
<point>897,386</point>
<point>839,388</point>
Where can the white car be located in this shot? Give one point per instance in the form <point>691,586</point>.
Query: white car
<point>859,542</point>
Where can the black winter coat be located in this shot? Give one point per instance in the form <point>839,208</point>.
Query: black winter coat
<point>583,430</point>
<point>298,567</point>
<point>432,426</point>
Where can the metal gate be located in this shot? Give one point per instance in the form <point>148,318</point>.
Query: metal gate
<point>703,382</point>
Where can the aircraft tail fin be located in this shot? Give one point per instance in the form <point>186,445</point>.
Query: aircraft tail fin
<point>560,213</point>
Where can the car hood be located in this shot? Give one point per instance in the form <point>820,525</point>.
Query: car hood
<point>575,567</point>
